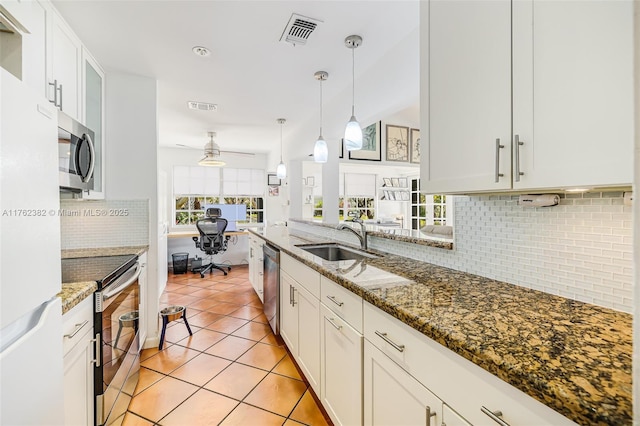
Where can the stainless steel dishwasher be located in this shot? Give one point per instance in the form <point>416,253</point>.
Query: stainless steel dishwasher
<point>271,286</point>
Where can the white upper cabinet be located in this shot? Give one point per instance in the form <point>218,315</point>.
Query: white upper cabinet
<point>552,79</point>
<point>64,68</point>
<point>573,93</point>
<point>467,105</point>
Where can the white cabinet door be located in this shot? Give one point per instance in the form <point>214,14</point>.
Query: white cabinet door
<point>34,64</point>
<point>392,396</point>
<point>308,308</point>
<point>143,282</point>
<point>256,266</point>
<point>288,312</point>
<point>573,93</point>
<point>466,95</point>
<point>65,73</point>
<point>341,361</point>
<point>451,418</point>
<point>78,383</point>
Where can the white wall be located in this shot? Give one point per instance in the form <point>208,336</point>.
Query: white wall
<point>131,137</point>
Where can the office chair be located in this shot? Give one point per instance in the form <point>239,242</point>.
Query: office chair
<point>212,240</point>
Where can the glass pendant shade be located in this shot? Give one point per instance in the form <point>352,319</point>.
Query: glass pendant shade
<point>353,135</point>
<point>320,151</point>
<point>281,170</point>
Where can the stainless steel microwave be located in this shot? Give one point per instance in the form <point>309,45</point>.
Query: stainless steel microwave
<point>76,155</point>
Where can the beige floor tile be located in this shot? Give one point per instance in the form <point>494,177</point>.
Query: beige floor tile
<point>131,419</point>
<point>160,398</point>
<point>290,422</point>
<point>227,324</point>
<point>203,304</point>
<point>271,339</point>
<point>147,378</point>
<point>202,408</point>
<point>169,359</point>
<point>202,339</point>
<point>263,356</point>
<point>245,415</point>
<point>231,347</point>
<point>286,368</point>
<point>222,307</point>
<point>177,330</point>
<point>203,293</point>
<point>246,312</point>
<point>201,369</point>
<point>277,394</point>
<point>236,381</point>
<point>202,319</point>
<point>307,411</point>
<point>253,330</point>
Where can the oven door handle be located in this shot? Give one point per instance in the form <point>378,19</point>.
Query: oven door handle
<point>112,292</point>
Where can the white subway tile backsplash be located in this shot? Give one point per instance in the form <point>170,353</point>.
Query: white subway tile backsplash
<point>104,223</point>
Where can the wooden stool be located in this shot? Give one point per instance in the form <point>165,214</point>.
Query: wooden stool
<point>169,314</point>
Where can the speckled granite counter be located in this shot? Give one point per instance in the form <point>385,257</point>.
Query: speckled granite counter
<point>74,293</point>
<point>397,234</point>
<point>574,357</point>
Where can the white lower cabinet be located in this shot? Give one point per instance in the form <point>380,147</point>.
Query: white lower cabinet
<point>77,325</point>
<point>392,396</point>
<point>300,319</point>
<point>451,418</point>
<point>256,266</point>
<point>341,364</point>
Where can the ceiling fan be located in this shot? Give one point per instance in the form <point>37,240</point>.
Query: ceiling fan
<point>212,152</point>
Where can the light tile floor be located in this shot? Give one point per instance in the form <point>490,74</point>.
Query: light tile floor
<point>232,371</point>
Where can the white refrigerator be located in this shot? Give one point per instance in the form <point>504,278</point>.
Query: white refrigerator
<point>31,364</point>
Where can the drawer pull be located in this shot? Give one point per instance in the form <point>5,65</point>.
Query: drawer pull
<point>336,326</point>
<point>333,299</point>
<point>77,329</point>
<point>383,336</point>
<point>496,416</point>
<point>429,415</point>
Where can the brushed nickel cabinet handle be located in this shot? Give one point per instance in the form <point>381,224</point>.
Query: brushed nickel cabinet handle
<point>518,143</point>
<point>76,330</point>
<point>429,415</point>
<point>97,350</point>
<point>496,416</point>
<point>383,336</point>
<point>336,326</point>
<point>498,148</point>
<point>333,299</point>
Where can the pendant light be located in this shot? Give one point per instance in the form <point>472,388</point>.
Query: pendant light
<point>320,150</point>
<point>281,170</point>
<point>353,131</point>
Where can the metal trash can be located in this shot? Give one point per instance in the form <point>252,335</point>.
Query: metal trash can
<point>180,261</point>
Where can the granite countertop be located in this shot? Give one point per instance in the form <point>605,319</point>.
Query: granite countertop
<point>574,357</point>
<point>398,234</point>
<point>74,293</point>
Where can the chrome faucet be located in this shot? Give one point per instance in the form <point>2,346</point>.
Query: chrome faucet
<point>362,236</point>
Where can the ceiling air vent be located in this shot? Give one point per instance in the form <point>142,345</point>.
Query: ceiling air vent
<point>298,29</point>
<point>202,106</point>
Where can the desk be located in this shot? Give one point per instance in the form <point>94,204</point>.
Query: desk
<point>189,234</point>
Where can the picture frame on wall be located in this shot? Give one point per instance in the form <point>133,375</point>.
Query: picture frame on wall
<point>397,143</point>
<point>415,146</point>
<point>371,144</point>
<point>273,180</point>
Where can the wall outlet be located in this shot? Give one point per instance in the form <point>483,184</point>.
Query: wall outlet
<point>628,198</point>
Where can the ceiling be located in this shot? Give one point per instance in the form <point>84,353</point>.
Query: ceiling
<point>252,76</point>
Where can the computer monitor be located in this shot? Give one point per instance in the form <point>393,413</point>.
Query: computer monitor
<point>231,212</point>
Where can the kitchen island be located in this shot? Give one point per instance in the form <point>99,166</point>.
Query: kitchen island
<point>573,357</point>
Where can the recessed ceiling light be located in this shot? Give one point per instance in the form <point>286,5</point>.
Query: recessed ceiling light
<point>201,51</point>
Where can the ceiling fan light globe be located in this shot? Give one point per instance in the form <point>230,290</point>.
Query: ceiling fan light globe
<point>320,151</point>
<point>353,135</point>
<point>281,171</point>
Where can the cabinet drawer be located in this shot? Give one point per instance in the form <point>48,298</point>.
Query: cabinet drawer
<point>304,275</point>
<point>75,324</point>
<point>344,303</point>
<point>461,384</point>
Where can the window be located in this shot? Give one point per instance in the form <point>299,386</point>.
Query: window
<point>359,195</point>
<point>427,209</point>
<point>317,208</point>
<point>194,187</point>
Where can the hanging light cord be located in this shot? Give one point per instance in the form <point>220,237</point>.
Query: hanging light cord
<point>353,79</point>
<point>281,142</point>
<point>321,107</point>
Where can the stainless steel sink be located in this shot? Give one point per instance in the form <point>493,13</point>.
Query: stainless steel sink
<point>335,252</point>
